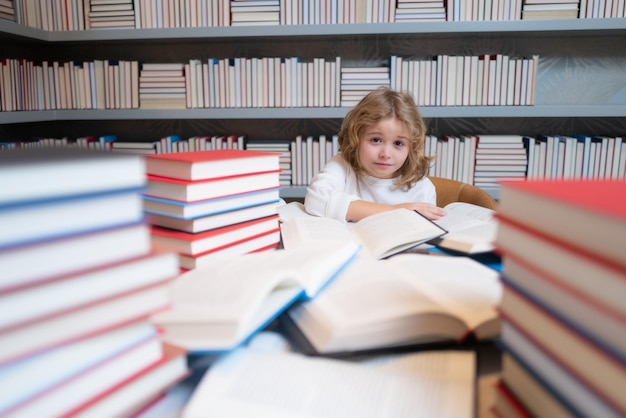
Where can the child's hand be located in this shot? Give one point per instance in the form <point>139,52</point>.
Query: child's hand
<point>429,210</point>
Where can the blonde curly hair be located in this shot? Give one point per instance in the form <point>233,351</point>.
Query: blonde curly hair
<point>384,103</point>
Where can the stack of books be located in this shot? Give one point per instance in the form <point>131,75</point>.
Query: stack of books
<point>208,204</point>
<point>499,157</point>
<point>420,11</point>
<point>550,9</point>
<point>79,284</point>
<point>254,12</point>
<point>357,82</point>
<point>162,86</point>
<point>7,10</point>
<point>111,14</point>
<point>563,311</point>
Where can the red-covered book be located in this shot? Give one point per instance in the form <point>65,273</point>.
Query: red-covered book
<point>196,190</point>
<point>260,242</point>
<point>212,164</point>
<point>194,244</point>
<point>219,220</point>
<point>586,214</point>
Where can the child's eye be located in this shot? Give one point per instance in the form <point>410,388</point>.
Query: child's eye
<point>375,140</point>
<point>399,143</point>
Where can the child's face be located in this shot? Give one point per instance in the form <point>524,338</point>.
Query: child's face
<point>383,148</point>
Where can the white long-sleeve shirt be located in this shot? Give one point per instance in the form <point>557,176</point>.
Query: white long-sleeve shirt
<point>333,189</point>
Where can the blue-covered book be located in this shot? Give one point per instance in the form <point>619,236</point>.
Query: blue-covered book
<point>218,307</point>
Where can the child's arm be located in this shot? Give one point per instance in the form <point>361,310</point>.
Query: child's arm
<point>360,209</point>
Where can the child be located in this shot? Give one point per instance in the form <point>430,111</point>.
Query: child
<point>381,163</point>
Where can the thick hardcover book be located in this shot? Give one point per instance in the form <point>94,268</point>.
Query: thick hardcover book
<point>559,381</point>
<point>48,173</point>
<point>55,218</point>
<point>32,304</point>
<point>183,210</point>
<point>130,396</point>
<point>45,261</point>
<point>216,221</point>
<point>197,190</point>
<point>26,379</point>
<point>264,241</point>
<point>221,305</point>
<point>597,209</point>
<point>201,242</point>
<point>406,300</point>
<point>202,165</point>
<point>93,382</point>
<point>98,317</point>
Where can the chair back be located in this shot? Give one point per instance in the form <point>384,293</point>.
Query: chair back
<point>449,191</point>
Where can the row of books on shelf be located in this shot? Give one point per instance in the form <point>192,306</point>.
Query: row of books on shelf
<point>563,319</point>
<point>262,82</point>
<point>482,160</point>
<point>80,284</point>
<point>485,80</point>
<point>59,15</point>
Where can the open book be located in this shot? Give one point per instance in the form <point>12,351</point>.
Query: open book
<point>218,306</point>
<point>407,299</point>
<point>264,384</point>
<point>380,235</point>
<point>471,228</point>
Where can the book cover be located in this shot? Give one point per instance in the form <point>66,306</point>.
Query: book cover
<point>89,321</point>
<point>599,370</point>
<point>28,378</point>
<point>562,279</point>
<point>26,223</point>
<point>554,379</point>
<point>69,255</point>
<point>49,173</point>
<point>201,242</point>
<point>197,190</point>
<point>130,396</point>
<point>63,398</point>
<point>597,208</point>
<point>265,241</point>
<point>183,210</point>
<point>211,164</point>
<point>33,304</point>
<point>219,220</point>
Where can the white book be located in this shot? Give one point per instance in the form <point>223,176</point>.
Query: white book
<point>416,384</point>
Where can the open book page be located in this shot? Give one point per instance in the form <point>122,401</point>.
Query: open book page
<point>381,235</point>
<point>235,295</point>
<point>407,299</point>
<point>466,288</point>
<point>261,384</point>
<point>471,228</point>
<point>292,210</point>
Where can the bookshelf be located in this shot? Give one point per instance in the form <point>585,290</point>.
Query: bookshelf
<point>580,82</point>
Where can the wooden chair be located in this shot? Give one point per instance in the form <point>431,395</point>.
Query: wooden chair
<point>449,191</point>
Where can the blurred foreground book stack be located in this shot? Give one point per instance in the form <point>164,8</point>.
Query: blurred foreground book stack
<point>78,287</point>
<point>563,311</point>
